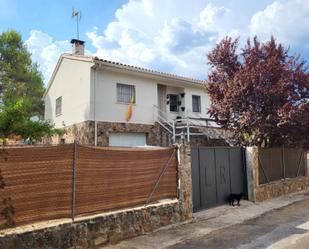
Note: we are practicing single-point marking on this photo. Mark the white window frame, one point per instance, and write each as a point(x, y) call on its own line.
point(58, 109)
point(131, 92)
point(199, 104)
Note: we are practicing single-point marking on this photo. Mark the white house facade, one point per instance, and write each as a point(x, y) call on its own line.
point(106, 103)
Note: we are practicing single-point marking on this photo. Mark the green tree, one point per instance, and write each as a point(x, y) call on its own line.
point(21, 91)
point(15, 120)
point(19, 76)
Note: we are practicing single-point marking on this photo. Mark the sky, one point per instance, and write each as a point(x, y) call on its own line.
point(172, 36)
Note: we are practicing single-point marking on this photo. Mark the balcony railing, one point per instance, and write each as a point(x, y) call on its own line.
point(192, 124)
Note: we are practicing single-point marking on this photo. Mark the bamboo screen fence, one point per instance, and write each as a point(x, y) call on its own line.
point(52, 182)
point(109, 179)
point(281, 163)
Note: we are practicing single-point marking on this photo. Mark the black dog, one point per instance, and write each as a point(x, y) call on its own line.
point(234, 197)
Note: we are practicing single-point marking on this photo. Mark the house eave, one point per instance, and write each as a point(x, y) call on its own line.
point(150, 74)
point(121, 67)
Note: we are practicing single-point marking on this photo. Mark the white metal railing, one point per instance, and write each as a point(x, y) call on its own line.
point(191, 124)
point(161, 117)
point(199, 120)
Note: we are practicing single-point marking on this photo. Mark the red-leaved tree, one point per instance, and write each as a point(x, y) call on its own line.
point(261, 93)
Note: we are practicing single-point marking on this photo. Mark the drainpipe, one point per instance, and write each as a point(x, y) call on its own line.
point(188, 131)
point(94, 108)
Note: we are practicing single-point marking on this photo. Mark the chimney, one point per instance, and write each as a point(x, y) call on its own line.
point(78, 47)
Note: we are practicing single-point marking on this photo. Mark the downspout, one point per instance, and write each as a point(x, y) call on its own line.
point(94, 108)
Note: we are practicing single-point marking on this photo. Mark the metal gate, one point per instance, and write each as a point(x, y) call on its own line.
point(216, 172)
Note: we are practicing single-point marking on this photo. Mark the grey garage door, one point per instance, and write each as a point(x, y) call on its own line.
point(216, 172)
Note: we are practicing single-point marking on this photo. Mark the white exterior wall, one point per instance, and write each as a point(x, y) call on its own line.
point(107, 109)
point(80, 86)
point(205, 101)
point(72, 82)
point(187, 101)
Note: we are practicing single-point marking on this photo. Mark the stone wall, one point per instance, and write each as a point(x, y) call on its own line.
point(261, 192)
point(84, 133)
point(97, 231)
point(156, 134)
point(184, 174)
point(279, 188)
point(102, 229)
point(105, 128)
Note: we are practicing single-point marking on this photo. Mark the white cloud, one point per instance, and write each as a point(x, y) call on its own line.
point(287, 20)
point(155, 34)
point(179, 36)
point(45, 51)
point(209, 14)
point(175, 35)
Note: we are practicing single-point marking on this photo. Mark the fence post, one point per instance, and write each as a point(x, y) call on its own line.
point(261, 167)
point(174, 131)
point(74, 180)
point(177, 148)
point(299, 162)
point(283, 161)
point(188, 131)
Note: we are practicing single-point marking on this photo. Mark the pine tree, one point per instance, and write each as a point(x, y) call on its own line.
point(19, 76)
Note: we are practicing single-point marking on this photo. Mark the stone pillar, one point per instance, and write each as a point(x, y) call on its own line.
point(185, 182)
point(307, 162)
point(252, 164)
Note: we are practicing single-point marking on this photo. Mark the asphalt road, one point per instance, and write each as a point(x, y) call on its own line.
point(287, 227)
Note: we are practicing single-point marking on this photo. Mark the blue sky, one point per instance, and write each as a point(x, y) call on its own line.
point(168, 35)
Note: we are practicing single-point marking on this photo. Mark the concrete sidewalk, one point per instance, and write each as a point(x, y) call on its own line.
point(208, 221)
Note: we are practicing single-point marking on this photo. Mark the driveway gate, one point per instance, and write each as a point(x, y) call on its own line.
point(217, 172)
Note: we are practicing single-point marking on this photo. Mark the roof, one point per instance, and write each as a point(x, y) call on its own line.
point(148, 71)
point(98, 61)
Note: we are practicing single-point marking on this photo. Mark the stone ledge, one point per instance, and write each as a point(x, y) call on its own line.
point(96, 230)
point(52, 223)
point(281, 187)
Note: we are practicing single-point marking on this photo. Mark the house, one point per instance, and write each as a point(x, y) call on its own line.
point(108, 103)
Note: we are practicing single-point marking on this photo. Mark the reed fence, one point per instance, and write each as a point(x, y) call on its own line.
point(66, 181)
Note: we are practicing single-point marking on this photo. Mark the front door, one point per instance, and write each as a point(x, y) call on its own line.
point(162, 98)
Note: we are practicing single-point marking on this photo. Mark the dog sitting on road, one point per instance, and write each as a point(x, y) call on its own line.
point(234, 197)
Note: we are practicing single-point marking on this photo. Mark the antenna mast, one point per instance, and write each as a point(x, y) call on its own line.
point(78, 16)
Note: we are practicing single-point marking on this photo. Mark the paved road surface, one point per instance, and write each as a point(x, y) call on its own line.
point(287, 227)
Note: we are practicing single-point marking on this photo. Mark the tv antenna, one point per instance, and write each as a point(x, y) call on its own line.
point(78, 16)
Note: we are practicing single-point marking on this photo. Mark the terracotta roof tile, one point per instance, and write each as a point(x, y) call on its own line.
point(150, 71)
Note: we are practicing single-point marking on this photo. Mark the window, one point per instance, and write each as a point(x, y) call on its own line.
point(59, 106)
point(173, 103)
point(125, 93)
point(196, 103)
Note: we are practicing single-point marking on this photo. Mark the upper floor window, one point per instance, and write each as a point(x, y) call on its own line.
point(173, 102)
point(125, 93)
point(196, 103)
point(59, 106)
